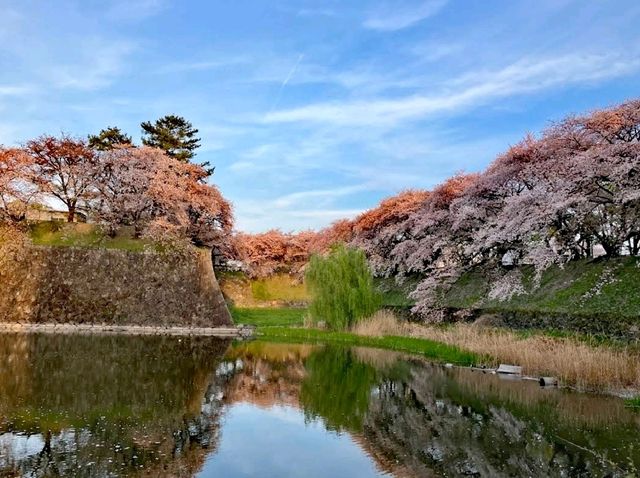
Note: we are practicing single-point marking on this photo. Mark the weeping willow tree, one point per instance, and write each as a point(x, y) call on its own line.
point(342, 289)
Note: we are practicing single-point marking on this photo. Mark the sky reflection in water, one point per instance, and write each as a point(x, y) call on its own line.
point(166, 406)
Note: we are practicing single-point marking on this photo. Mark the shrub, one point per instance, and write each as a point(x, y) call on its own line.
point(341, 287)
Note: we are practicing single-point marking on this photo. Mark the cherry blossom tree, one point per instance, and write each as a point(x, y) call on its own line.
point(265, 253)
point(18, 184)
point(376, 231)
point(340, 231)
point(145, 188)
point(65, 169)
point(544, 201)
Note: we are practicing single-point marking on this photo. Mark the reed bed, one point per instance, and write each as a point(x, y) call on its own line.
point(600, 368)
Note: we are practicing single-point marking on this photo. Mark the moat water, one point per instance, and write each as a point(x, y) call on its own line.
point(73, 405)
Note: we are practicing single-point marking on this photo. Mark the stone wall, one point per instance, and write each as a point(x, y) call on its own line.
point(617, 327)
point(108, 286)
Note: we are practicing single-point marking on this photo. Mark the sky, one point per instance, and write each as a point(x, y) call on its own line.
point(313, 111)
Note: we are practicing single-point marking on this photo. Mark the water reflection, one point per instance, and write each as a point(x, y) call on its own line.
point(107, 405)
point(153, 406)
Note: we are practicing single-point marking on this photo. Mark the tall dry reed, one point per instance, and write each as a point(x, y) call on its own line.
point(602, 368)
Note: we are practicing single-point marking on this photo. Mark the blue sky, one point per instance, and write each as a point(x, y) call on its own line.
point(312, 111)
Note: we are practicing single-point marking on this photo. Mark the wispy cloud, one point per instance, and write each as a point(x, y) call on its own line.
point(134, 9)
point(203, 64)
point(16, 90)
point(393, 17)
point(524, 76)
point(97, 63)
point(260, 216)
point(318, 195)
point(324, 214)
point(284, 83)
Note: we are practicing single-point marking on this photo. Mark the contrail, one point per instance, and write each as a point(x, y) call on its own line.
point(286, 81)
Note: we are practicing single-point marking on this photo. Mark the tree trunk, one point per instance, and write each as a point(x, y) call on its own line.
point(72, 213)
point(611, 250)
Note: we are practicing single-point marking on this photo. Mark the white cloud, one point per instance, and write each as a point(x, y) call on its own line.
point(525, 76)
point(316, 195)
point(203, 64)
point(256, 217)
point(392, 17)
point(97, 64)
point(326, 214)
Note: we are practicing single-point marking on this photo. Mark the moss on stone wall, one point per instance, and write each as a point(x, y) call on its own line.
point(84, 285)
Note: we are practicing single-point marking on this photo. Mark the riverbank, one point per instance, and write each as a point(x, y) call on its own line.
point(588, 365)
point(600, 366)
point(436, 351)
point(596, 296)
point(88, 329)
point(593, 297)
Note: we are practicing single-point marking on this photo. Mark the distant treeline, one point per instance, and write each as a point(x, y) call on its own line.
point(572, 192)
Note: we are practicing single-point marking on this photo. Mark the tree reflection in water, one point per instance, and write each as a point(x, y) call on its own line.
point(152, 406)
point(107, 405)
point(415, 418)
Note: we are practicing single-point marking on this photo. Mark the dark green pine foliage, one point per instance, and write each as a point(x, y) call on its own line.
point(173, 134)
point(109, 138)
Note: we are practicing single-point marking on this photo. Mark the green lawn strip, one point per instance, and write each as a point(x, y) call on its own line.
point(428, 348)
point(633, 403)
point(268, 317)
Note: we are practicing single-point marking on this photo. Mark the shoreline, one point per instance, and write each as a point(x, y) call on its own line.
point(231, 331)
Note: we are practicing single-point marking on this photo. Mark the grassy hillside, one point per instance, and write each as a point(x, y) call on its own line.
point(394, 294)
point(60, 234)
point(604, 288)
point(276, 291)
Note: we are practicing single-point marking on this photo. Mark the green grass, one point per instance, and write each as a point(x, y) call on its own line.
point(280, 290)
point(280, 287)
point(263, 317)
point(633, 402)
point(58, 234)
point(433, 350)
point(568, 290)
point(394, 294)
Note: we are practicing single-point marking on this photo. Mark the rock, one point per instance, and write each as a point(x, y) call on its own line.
point(509, 369)
point(548, 382)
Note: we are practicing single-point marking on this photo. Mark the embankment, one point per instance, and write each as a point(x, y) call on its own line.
point(41, 284)
point(594, 297)
point(278, 290)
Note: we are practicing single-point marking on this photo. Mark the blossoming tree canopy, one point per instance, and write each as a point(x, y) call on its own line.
point(17, 183)
point(145, 188)
point(65, 167)
point(545, 200)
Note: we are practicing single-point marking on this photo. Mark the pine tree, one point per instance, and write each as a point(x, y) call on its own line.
point(108, 138)
point(173, 134)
